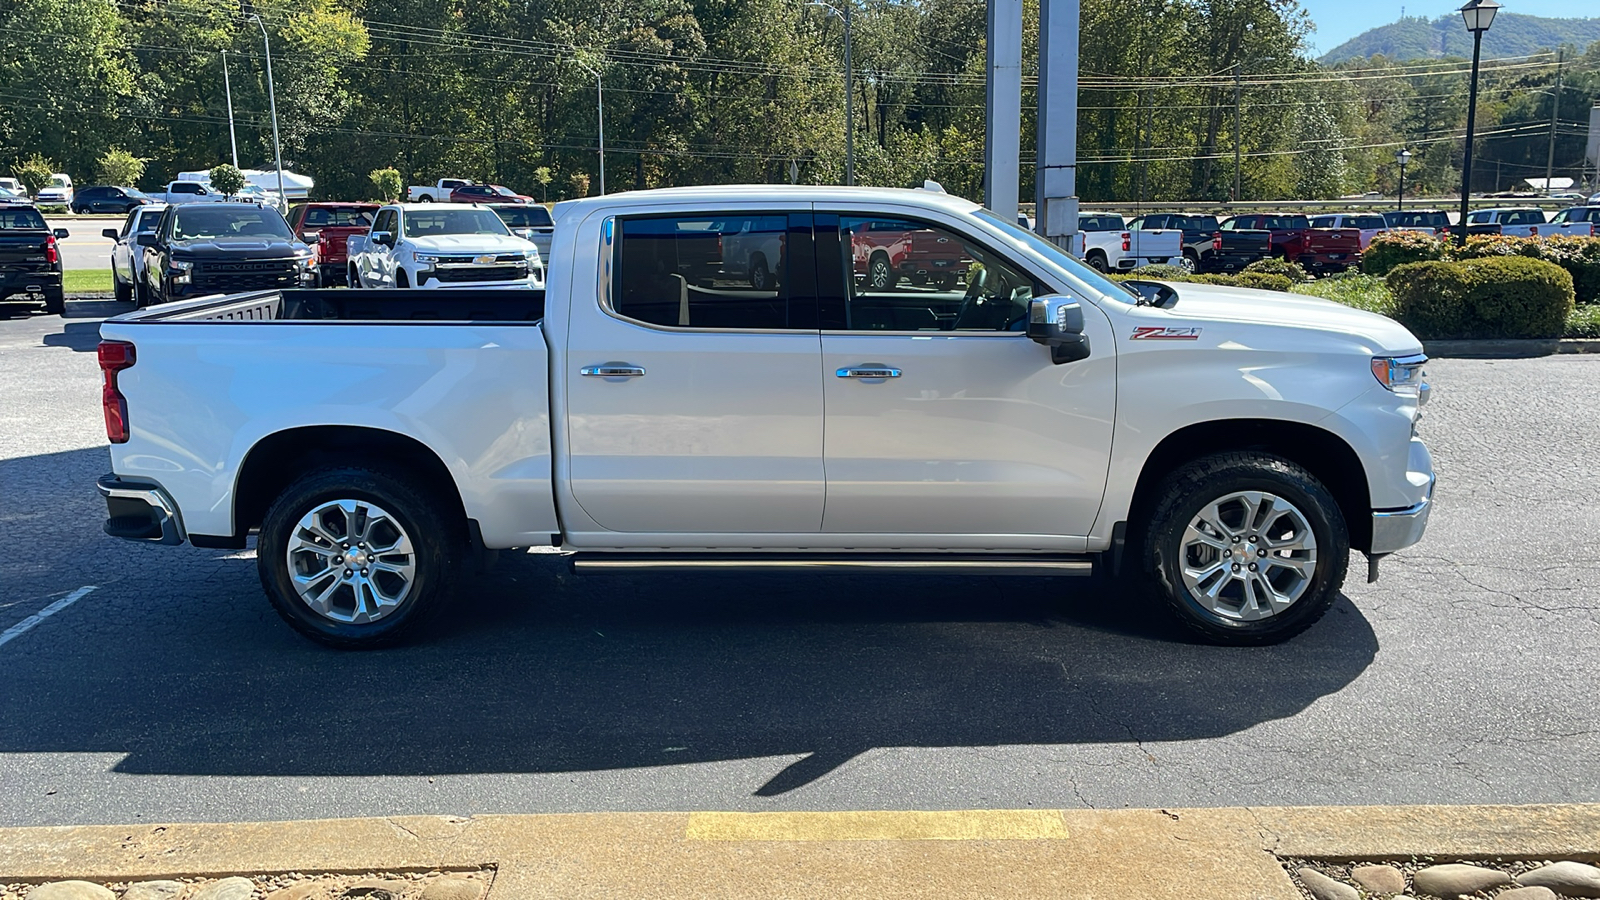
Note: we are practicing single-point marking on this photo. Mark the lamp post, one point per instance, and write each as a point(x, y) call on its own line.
point(1402, 156)
point(1479, 15)
point(849, 90)
point(272, 101)
point(600, 118)
point(227, 87)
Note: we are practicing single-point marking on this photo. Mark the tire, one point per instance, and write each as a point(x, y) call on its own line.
point(352, 279)
point(304, 532)
point(880, 275)
point(1189, 263)
point(400, 279)
point(760, 278)
point(425, 198)
point(55, 302)
point(141, 294)
point(1097, 261)
point(1221, 605)
point(123, 292)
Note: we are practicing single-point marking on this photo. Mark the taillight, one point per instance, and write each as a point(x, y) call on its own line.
point(114, 357)
point(1127, 242)
point(52, 254)
point(1216, 242)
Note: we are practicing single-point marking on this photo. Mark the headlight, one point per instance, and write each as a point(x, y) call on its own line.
point(180, 265)
point(427, 258)
point(532, 256)
point(1402, 374)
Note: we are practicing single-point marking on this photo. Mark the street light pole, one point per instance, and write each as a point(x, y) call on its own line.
point(272, 101)
point(1555, 110)
point(600, 123)
point(227, 86)
point(1402, 156)
point(1479, 15)
point(1238, 70)
point(849, 91)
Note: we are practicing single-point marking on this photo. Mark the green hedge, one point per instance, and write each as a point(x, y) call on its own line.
point(1499, 297)
point(1580, 256)
point(1277, 265)
point(1265, 281)
point(1396, 248)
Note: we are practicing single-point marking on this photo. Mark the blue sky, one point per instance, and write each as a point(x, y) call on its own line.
point(1339, 20)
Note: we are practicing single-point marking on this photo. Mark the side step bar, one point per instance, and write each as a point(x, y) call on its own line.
point(941, 563)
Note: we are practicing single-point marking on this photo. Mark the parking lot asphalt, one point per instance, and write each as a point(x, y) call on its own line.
point(170, 691)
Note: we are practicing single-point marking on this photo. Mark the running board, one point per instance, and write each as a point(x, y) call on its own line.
point(943, 563)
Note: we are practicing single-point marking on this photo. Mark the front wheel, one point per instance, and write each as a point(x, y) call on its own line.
point(121, 290)
point(1245, 548)
point(354, 557)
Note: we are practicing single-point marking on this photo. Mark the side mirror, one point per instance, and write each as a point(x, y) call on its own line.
point(62, 234)
point(386, 238)
point(111, 233)
point(1057, 322)
point(146, 239)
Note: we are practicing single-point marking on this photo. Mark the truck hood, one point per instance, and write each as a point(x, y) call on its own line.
point(470, 243)
point(1217, 303)
point(254, 248)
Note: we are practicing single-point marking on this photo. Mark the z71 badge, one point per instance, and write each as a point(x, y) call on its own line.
point(1165, 333)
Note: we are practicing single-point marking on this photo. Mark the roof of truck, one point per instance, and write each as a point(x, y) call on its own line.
point(778, 193)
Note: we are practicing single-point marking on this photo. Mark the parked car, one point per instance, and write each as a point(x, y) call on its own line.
point(210, 248)
point(890, 251)
point(1319, 251)
point(181, 192)
point(752, 249)
point(442, 245)
point(529, 221)
point(439, 190)
point(646, 425)
point(14, 186)
point(13, 196)
point(30, 256)
point(1429, 221)
point(1524, 222)
point(1590, 214)
point(1369, 225)
point(329, 226)
point(57, 193)
point(1206, 247)
point(487, 193)
point(127, 257)
point(1110, 246)
point(108, 199)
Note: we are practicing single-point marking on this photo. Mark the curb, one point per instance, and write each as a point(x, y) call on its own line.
point(1509, 348)
point(1182, 854)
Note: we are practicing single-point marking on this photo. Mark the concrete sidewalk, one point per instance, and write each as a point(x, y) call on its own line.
point(1192, 854)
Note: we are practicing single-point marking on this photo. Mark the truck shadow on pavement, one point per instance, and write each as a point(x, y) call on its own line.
point(177, 661)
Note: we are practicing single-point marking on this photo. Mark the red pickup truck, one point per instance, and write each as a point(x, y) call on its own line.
point(1318, 250)
point(328, 226)
point(885, 252)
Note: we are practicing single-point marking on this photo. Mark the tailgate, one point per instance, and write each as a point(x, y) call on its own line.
point(23, 253)
point(1157, 243)
point(1333, 240)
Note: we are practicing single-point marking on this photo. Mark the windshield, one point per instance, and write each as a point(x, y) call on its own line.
point(1060, 258)
point(21, 218)
point(525, 216)
point(422, 223)
point(208, 222)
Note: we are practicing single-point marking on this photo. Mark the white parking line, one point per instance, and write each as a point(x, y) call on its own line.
point(22, 627)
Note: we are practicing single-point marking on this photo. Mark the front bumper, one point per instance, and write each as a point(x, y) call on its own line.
point(140, 511)
point(1397, 529)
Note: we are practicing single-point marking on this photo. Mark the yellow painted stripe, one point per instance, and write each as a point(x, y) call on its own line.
point(961, 825)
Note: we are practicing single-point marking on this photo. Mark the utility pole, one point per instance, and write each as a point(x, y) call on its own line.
point(272, 101)
point(1056, 181)
point(600, 123)
point(227, 86)
point(1555, 110)
point(1238, 70)
point(1002, 138)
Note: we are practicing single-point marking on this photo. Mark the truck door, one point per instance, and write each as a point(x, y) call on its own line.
point(942, 416)
point(694, 404)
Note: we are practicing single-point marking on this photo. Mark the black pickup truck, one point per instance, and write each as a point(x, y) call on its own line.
point(223, 248)
point(30, 258)
point(1206, 247)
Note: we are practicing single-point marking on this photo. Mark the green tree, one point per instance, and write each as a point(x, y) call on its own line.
point(388, 183)
point(542, 177)
point(227, 179)
point(578, 184)
point(119, 167)
point(34, 173)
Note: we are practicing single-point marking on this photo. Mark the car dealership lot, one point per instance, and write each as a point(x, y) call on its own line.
point(170, 691)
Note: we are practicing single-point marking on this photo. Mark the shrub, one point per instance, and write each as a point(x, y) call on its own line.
point(1265, 281)
point(1508, 297)
point(1161, 272)
point(119, 167)
point(1277, 265)
point(1580, 256)
point(1584, 322)
point(1487, 246)
point(1366, 292)
point(388, 183)
point(34, 173)
point(226, 179)
point(1394, 248)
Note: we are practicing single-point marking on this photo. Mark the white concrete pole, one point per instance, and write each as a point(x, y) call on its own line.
point(1002, 145)
point(1057, 176)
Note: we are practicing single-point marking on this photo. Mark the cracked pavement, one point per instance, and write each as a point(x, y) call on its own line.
point(173, 693)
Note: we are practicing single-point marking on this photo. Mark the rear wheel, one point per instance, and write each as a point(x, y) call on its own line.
point(1098, 261)
point(880, 275)
point(760, 278)
point(121, 290)
point(356, 557)
point(1189, 263)
point(1245, 548)
point(55, 302)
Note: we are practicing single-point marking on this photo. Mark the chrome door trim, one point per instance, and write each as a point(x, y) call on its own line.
point(612, 371)
point(867, 372)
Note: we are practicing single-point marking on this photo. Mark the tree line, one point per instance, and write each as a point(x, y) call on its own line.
point(703, 91)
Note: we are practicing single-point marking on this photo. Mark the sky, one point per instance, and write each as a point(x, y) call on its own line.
point(1339, 20)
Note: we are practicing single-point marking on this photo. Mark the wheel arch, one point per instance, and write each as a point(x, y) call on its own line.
point(276, 460)
point(1327, 456)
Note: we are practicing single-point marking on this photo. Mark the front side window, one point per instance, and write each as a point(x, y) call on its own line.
point(425, 222)
point(905, 275)
point(386, 221)
point(698, 271)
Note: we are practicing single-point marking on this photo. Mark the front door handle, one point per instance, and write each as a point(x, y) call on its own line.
point(612, 371)
point(868, 372)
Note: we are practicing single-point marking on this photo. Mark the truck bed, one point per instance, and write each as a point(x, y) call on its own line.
point(343, 305)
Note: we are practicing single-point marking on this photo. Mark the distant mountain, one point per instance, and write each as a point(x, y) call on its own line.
point(1513, 34)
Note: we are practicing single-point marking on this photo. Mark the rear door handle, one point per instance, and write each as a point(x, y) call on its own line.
point(868, 372)
point(612, 371)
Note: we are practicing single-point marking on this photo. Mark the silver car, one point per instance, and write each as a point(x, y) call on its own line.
point(127, 262)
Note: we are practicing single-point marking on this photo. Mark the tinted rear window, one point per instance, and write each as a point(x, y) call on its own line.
point(524, 216)
point(1100, 223)
point(1195, 223)
point(1417, 219)
point(1365, 222)
point(21, 218)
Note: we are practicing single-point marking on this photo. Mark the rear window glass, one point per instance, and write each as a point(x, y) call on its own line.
point(1524, 217)
point(525, 216)
point(1100, 223)
point(1416, 219)
point(21, 218)
point(1194, 223)
point(339, 217)
point(1366, 222)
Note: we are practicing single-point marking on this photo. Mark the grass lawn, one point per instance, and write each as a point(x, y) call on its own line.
point(86, 281)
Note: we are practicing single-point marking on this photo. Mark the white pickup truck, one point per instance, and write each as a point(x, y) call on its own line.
point(441, 245)
point(438, 192)
point(1221, 449)
point(1109, 246)
point(1527, 222)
